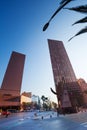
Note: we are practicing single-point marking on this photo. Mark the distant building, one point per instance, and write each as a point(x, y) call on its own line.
point(36, 101)
point(68, 90)
point(35, 98)
point(11, 85)
point(26, 97)
point(25, 100)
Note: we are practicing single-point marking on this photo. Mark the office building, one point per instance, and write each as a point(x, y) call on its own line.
point(11, 85)
point(67, 88)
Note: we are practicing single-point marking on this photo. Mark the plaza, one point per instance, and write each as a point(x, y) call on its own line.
point(28, 121)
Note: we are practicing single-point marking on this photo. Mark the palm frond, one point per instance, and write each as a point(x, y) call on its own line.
point(62, 4)
point(63, 1)
point(81, 9)
point(60, 7)
point(45, 26)
point(84, 20)
point(84, 30)
point(53, 91)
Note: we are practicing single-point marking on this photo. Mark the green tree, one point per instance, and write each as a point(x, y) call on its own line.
point(46, 103)
point(54, 105)
point(43, 98)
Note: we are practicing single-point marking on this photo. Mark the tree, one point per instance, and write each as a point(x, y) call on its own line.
point(81, 9)
point(54, 105)
point(43, 98)
point(46, 103)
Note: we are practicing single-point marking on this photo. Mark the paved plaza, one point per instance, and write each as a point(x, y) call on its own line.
point(44, 121)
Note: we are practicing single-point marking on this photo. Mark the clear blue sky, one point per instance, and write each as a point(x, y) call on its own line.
point(21, 24)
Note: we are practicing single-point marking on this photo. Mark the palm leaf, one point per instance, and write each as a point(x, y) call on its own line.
point(81, 9)
point(84, 30)
point(63, 3)
point(84, 20)
point(53, 91)
point(60, 7)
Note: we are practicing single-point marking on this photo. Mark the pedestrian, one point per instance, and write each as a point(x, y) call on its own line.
point(57, 112)
point(35, 114)
point(42, 117)
point(6, 114)
point(50, 116)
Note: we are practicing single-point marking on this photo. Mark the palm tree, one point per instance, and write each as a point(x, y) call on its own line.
point(81, 9)
point(46, 102)
point(43, 99)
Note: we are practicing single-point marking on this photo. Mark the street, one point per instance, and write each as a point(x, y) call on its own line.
point(32, 121)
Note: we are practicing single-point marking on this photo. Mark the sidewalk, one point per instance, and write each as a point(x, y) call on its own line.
point(56, 123)
point(50, 121)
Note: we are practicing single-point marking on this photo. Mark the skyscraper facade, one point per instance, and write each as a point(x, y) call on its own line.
point(60, 62)
point(64, 77)
point(11, 85)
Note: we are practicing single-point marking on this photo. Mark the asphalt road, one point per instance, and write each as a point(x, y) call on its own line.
point(50, 121)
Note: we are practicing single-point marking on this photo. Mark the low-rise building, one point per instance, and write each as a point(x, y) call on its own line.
point(25, 100)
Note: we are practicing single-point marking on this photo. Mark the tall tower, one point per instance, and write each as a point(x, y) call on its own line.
point(11, 85)
point(64, 77)
point(60, 62)
point(13, 76)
